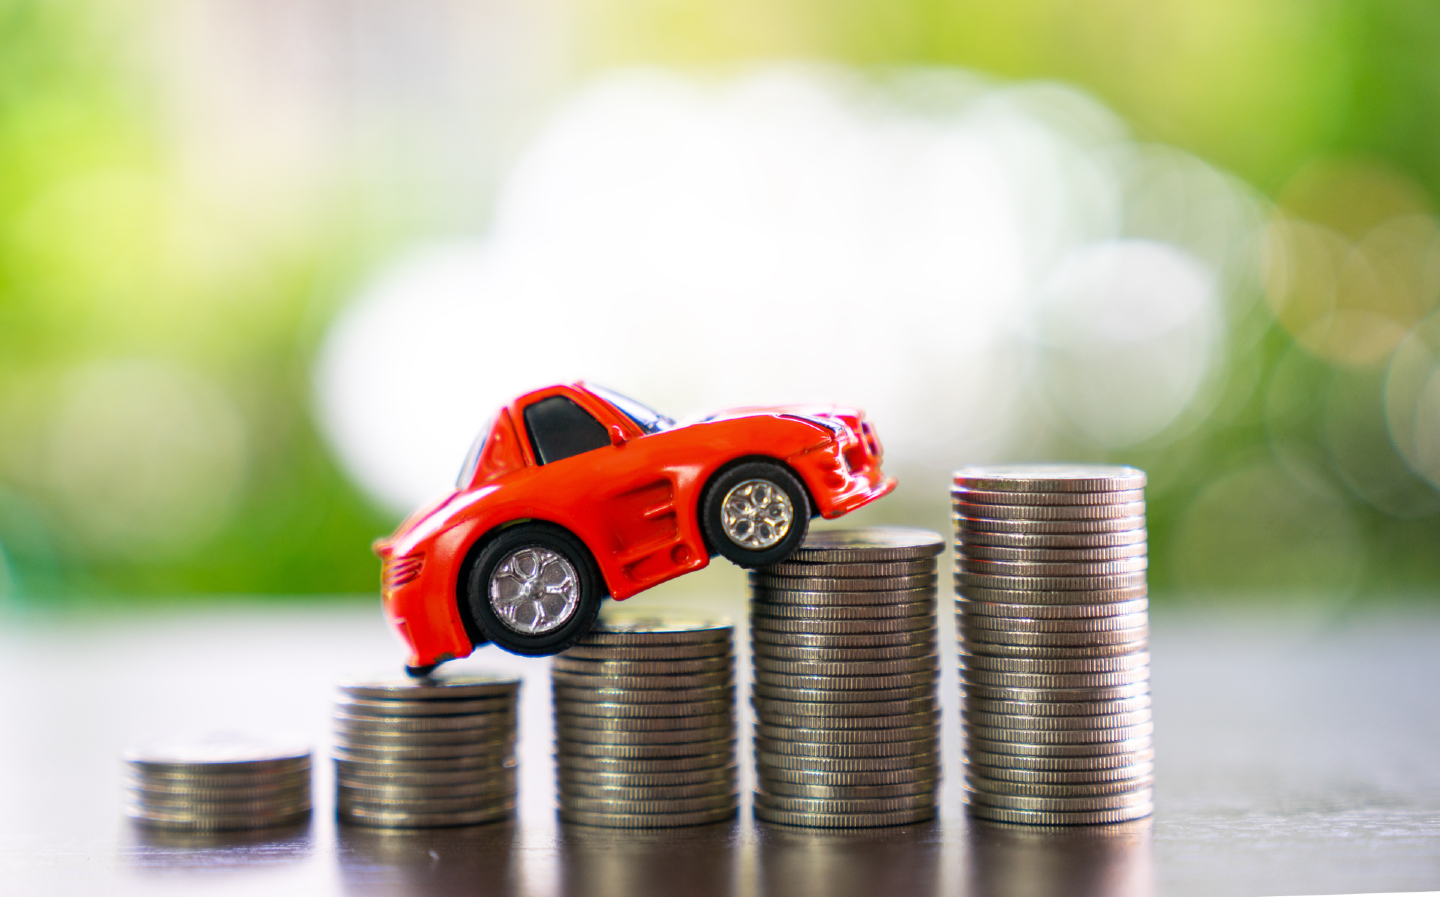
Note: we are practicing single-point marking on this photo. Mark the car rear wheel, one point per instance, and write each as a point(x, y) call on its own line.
point(755, 513)
point(534, 589)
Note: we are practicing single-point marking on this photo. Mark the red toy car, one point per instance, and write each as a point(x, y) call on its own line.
point(575, 492)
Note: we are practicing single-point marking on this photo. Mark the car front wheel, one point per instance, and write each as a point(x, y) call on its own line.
point(534, 589)
point(755, 513)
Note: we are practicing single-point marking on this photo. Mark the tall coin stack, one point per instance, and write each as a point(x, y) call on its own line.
point(422, 753)
point(218, 783)
point(843, 645)
point(645, 724)
point(1055, 674)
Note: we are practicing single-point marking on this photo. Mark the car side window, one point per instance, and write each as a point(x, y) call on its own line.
point(560, 429)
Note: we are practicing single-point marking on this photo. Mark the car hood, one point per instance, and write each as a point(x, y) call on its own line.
point(826, 416)
point(428, 521)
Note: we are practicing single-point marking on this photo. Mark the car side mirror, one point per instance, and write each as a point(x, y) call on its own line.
point(618, 436)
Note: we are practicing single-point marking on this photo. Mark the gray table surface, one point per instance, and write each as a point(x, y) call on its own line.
point(1297, 753)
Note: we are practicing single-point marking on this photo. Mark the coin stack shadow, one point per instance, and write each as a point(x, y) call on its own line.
point(1055, 675)
point(220, 784)
point(645, 724)
point(846, 714)
point(425, 753)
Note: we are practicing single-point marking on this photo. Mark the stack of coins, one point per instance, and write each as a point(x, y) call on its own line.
point(420, 753)
point(217, 783)
point(843, 645)
point(645, 724)
point(1055, 675)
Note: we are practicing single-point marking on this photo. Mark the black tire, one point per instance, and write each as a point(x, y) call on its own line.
point(542, 537)
point(713, 506)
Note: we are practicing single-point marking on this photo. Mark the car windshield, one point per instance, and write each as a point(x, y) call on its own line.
point(472, 460)
point(645, 417)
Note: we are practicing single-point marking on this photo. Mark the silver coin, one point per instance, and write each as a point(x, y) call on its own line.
point(925, 623)
point(646, 820)
point(848, 723)
point(571, 790)
point(994, 762)
point(656, 630)
point(965, 581)
point(1049, 477)
point(645, 751)
point(844, 736)
point(852, 584)
point(1050, 598)
point(577, 803)
point(649, 652)
point(1028, 722)
point(1063, 624)
point(975, 635)
point(1071, 708)
point(1051, 611)
point(774, 761)
point(1055, 695)
point(614, 713)
point(1144, 796)
point(644, 738)
point(848, 668)
point(1060, 736)
point(867, 545)
point(609, 694)
point(401, 819)
point(1061, 778)
point(856, 699)
point(1073, 789)
point(760, 637)
point(499, 787)
point(191, 822)
point(1054, 652)
point(260, 789)
point(971, 551)
point(843, 820)
point(925, 745)
point(1032, 817)
point(373, 752)
point(579, 681)
point(767, 611)
point(1043, 665)
point(468, 722)
point(347, 799)
point(645, 724)
point(966, 525)
point(715, 776)
point(1056, 541)
point(417, 772)
point(365, 707)
point(842, 571)
point(781, 707)
point(928, 776)
point(840, 655)
point(221, 752)
point(170, 780)
point(1128, 748)
point(847, 683)
point(633, 668)
point(480, 738)
point(281, 805)
point(837, 806)
point(774, 597)
point(1028, 569)
point(1040, 499)
point(973, 511)
point(434, 688)
point(1055, 680)
point(850, 792)
point(722, 755)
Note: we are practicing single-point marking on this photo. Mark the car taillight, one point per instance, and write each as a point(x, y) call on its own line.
point(402, 570)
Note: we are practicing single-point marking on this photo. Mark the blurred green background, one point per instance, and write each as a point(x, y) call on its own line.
point(189, 193)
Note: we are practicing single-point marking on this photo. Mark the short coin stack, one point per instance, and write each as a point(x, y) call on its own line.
point(1055, 675)
point(645, 724)
point(843, 642)
point(217, 783)
point(422, 753)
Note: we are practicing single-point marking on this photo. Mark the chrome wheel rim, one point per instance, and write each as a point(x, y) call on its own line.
point(534, 590)
point(756, 514)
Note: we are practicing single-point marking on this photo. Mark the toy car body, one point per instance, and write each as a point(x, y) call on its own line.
point(574, 492)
